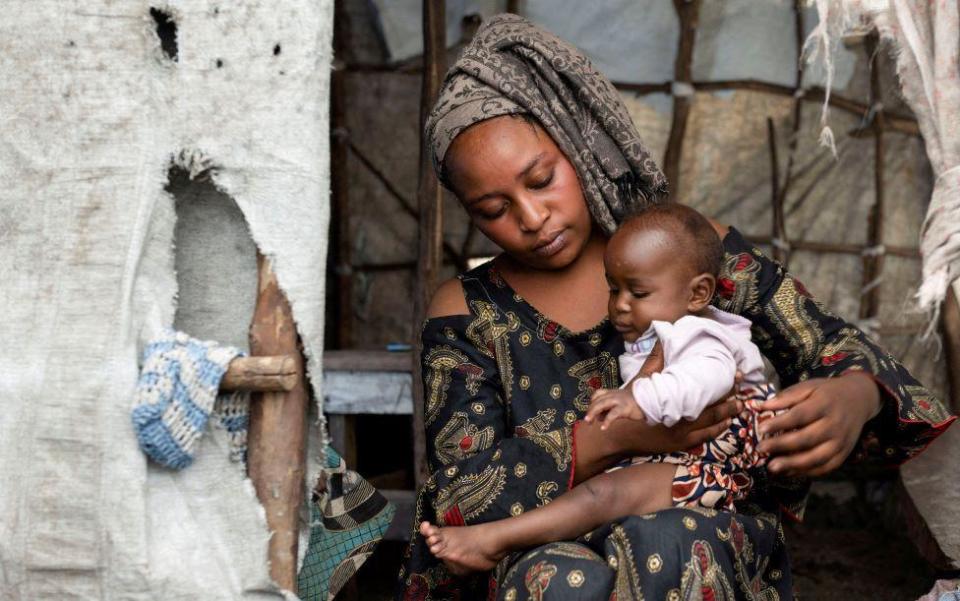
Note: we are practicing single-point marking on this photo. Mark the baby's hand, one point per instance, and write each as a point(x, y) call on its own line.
point(608, 405)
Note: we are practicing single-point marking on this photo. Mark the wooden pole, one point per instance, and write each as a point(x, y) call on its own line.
point(261, 374)
point(340, 241)
point(950, 317)
point(873, 263)
point(430, 212)
point(688, 12)
point(779, 237)
point(278, 429)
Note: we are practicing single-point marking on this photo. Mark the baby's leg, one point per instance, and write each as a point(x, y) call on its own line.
point(635, 490)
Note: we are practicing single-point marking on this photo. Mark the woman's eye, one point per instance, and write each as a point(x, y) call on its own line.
point(494, 212)
point(543, 182)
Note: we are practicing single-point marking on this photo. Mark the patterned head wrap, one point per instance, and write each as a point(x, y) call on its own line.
point(514, 67)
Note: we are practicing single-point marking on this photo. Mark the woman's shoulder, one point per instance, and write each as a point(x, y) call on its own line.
point(448, 300)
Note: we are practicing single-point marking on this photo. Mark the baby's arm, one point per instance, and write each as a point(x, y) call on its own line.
point(701, 370)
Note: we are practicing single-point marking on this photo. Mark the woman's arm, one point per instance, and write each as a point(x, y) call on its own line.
point(876, 410)
point(482, 468)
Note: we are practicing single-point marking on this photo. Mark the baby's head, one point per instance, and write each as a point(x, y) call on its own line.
point(661, 264)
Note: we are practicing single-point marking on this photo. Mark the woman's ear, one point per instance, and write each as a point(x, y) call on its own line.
point(701, 292)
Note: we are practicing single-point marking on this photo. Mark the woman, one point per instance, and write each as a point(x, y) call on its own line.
point(541, 152)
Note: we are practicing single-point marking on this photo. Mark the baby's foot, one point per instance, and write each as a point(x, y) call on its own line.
point(464, 549)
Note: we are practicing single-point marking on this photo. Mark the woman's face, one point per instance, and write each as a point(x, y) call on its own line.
point(520, 191)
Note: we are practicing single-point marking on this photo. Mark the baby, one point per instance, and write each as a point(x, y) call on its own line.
point(662, 267)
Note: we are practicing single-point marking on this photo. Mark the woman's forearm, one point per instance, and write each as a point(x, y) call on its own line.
point(596, 449)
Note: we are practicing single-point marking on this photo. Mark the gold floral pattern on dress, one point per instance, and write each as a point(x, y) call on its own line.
point(591, 375)
point(569, 417)
point(526, 338)
point(545, 491)
point(537, 579)
point(575, 578)
point(557, 442)
point(703, 578)
point(654, 563)
point(441, 361)
point(490, 337)
point(520, 470)
point(516, 509)
point(556, 391)
point(558, 348)
point(478, 408)
point(459, 439)
point(627, 583)
point(524, 382)
point(926, 407)
point(788, 312)
point(689, 523)
point(548, 330)
point(737, 284)
point(469, 495)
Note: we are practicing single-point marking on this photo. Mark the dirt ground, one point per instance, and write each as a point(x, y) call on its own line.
point(844, 550)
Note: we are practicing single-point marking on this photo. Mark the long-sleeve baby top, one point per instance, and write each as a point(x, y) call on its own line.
point(701, 355)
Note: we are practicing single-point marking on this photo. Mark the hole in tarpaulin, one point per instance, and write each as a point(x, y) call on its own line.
point(167, 32)
point(276, 50)
point(215, 260)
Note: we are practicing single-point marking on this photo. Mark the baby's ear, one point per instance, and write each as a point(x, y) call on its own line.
point(701, 292)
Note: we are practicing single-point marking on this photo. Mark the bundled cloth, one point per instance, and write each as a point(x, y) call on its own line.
point(513, 67)
point(178, 392)
point(347, 519)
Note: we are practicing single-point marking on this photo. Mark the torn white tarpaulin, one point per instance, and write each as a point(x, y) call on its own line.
point(925, 37)
point(93, 112)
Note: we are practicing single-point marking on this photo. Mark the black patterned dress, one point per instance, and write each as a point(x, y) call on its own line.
point(505, 388)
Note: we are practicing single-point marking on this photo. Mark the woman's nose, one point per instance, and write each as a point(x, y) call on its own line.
point(533, 214)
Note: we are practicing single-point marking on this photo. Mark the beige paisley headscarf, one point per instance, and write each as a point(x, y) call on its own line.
point(511, 67)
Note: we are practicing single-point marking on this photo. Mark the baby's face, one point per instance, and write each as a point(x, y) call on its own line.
point(648, 281)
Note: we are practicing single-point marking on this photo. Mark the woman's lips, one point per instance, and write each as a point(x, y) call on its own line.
point(552, 246)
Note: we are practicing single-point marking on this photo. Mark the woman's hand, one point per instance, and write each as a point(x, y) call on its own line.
point(822, 421)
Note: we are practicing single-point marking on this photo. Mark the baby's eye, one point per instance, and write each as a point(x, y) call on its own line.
point(637, 294)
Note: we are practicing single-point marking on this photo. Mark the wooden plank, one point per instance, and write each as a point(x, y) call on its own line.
point(278, 428)
point(353, 360)
point(430, 212)
point(261, 374)
point(365, 392)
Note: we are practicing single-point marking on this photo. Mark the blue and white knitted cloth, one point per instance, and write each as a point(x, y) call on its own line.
point(177, 393)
